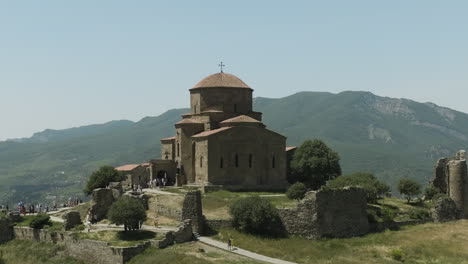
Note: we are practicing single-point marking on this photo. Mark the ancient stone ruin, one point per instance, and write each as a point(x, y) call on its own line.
point(451, 178)
point(72, 219)
point(328, 213)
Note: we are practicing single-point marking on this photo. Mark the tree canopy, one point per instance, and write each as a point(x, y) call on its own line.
point(296, 191)
point(314, 163)
point(128, 212)
point(409, 188)
point(101, 178)
point(255, 215)
point(373, 187)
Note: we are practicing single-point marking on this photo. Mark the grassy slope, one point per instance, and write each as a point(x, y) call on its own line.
point(28, 252)
point(189, 253)
point(429, 243)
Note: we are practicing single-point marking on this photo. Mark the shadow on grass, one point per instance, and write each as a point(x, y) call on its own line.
point(135, 235)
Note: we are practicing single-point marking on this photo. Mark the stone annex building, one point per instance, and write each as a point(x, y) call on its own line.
point(221, 142)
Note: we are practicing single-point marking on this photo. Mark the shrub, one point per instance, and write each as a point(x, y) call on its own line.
point(39, 221)
point(376, 214)
point(430, 191)
point(314, 163)
point(297, 191)
point(409, 188)
point(373, 187)
point(419, 214)
point(101, 178)
point(127, 211)
point(255, 215)
point(397, 254)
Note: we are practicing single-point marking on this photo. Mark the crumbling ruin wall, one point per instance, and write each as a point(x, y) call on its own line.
point(192, 209)
point(440, 175)
point(6, 230)
point(328, 213)
point(103, 198)
point(457, 185)
point(451, 178)
point(90, 251)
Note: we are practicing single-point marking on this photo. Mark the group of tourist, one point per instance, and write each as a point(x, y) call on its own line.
point(33, 209)
point(73, 201)
point(158, 182)
point(137, 188)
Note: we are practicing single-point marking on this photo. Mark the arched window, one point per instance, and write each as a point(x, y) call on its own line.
point(221, 163)
point(201, 162)
point(250, 160)
point(273, 161)
point(236, 161)
point(178, 150)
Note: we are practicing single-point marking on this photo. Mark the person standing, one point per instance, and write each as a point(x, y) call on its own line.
point(229, 244)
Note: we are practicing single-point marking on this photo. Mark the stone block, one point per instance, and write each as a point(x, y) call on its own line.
point(72, 219)
point(444, 210)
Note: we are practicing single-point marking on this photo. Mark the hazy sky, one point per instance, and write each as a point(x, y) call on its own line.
point(72, 63)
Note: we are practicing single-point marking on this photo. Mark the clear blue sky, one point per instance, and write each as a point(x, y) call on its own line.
point(72, 63)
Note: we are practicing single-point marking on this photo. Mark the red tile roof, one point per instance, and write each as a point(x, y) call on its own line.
point(290, 148)
point(128, 167)
point(188, 121)
point(241, 119)
point(167, 139)
point(210, 132)
point(221, 80)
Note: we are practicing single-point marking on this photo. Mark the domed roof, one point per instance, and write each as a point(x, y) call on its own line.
point(221, 79)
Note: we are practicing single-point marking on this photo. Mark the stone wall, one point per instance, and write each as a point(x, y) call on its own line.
point(331, 213)
point(451, 177)
point(6, 230)
point(192, 209)
point(90, 251)
point(102, 200)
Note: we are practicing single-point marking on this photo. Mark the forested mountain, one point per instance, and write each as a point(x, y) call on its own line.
point(391, 137)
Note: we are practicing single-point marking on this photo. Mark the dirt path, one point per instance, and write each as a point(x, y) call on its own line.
point(242, 252)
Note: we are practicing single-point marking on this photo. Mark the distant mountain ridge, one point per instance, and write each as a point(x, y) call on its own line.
point(391, 137)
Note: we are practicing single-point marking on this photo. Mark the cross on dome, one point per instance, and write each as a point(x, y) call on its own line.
point(221, 65)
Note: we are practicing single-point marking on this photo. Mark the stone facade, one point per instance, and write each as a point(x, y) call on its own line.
point(222, 141)
point(135, 174)
point(451, 177)
point(331, 213)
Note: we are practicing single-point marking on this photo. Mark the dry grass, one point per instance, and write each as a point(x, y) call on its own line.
point(190, 253)
point(28, 252)
point(429, 243)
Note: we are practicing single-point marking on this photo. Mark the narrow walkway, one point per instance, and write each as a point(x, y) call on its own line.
point(242, 252)
point(148, 190)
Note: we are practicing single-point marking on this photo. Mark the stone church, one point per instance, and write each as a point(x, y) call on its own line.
point(222, 141)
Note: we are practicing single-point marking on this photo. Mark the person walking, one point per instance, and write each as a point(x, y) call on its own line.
point(229, 244)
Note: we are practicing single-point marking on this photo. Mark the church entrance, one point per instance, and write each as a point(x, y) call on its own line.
point(164, 179)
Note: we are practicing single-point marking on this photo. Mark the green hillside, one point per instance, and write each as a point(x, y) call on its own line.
point(391, 137)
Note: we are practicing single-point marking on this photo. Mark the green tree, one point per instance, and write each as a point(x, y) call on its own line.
point(314, 163)
point(101, 178)
point(430, 191)
point(409, 188)
point(128, 212)
point(373, 187)
point(39, 221)
point(296, 191)
point(255, 215)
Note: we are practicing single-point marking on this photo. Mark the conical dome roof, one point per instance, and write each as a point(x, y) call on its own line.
point(221, 79)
